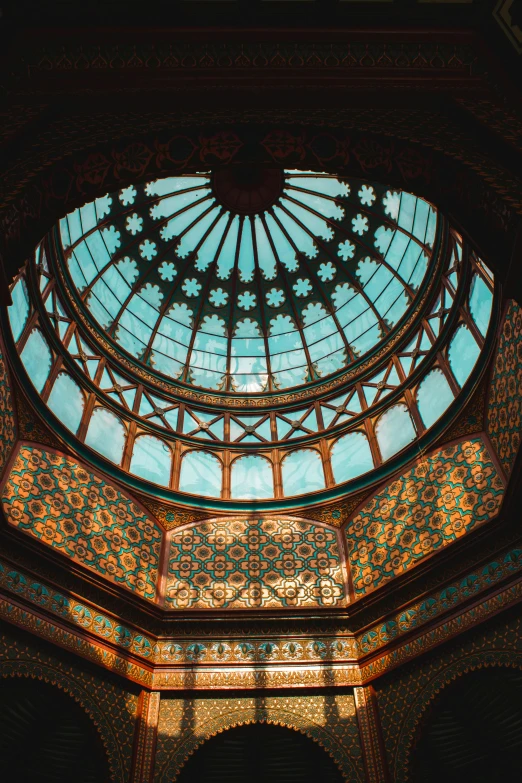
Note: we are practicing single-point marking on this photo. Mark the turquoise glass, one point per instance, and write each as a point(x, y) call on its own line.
point(302, 472)
point(67, 401)
point(247, 303)
point(394, 430)
point(19, 309)
point(201, 474)
point(151, 460)
point(434, 396)
point(351, 456)
point(463, 353)
point(37, 359)
point(480, 303)
point(106, 434)
point(251, 478)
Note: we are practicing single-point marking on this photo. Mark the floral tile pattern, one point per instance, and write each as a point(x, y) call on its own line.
point(7, 419)
point(443, 497)
point(54, 499)
point(254, 564)
point(505, 403)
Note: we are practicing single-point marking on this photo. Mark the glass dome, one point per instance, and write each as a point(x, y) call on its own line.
point(249, 280)
point(251, 334)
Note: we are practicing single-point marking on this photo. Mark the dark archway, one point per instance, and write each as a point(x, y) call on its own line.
point(46, 737)
point(260, 752)
point(472, 730)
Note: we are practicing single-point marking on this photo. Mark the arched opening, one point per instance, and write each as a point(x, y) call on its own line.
point(472, 730)
point(259, 753)
point(46, 737)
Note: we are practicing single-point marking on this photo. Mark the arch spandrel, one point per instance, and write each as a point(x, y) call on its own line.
point(330, 721)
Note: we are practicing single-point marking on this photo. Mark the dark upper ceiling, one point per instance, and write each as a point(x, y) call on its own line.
point(248, 13)
point(498, 21)
point(255, 12)
point(441, 73)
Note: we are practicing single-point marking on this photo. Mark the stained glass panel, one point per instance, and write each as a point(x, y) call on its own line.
point(67, 401)
point(36, 357)
point(251, 478)
point(249, 281)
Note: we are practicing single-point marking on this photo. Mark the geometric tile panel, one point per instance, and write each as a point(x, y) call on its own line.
point(52, 498)
point(443, 497)
point(505, 400)
point(254, 564)
point(7, 420)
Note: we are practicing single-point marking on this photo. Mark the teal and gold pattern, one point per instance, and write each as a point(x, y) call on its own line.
point(328, 719)
point(505, 403)
point(254, 564)
point(418, 614)
point(207, 664)
point(7, 419)
point(274, 649)
point(54, 499)
point(443, 497)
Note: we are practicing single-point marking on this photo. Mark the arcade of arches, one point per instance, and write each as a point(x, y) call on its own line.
point(261, 392)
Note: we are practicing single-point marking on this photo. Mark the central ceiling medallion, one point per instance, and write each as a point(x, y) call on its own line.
point(246, 189)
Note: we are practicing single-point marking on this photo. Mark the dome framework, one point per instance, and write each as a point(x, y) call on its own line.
point(124, 287)
point(166, 643)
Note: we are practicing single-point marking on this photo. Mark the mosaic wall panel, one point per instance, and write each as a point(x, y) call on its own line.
point(417, 614)
point(505, 402)
point(55, 500)
point(443, 497)
point(330, 720)
point(258, 648)
point(403, 695)
point(7, 419)
point(254, 564)
point(112, 709)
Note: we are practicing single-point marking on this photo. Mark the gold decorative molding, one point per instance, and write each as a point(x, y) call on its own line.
point(331, 721)
point(471, 418)
point(338, 512)
point(512, 30)
point(171, 516)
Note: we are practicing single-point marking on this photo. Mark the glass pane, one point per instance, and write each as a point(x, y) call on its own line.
point(351, 456)
point(37, 359)
point(252, 478)
point(66, 401)
point(19, 310)
point(480, 303)
point(151, 460)
point(434, 396)
point(129, 267)
point(302, 472)
point(201, 474)
point(394, 431)
point(106, 434)
point(463, 354)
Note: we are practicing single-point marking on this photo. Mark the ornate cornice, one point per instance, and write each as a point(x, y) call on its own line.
point(396, 55)
point(268, 659)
